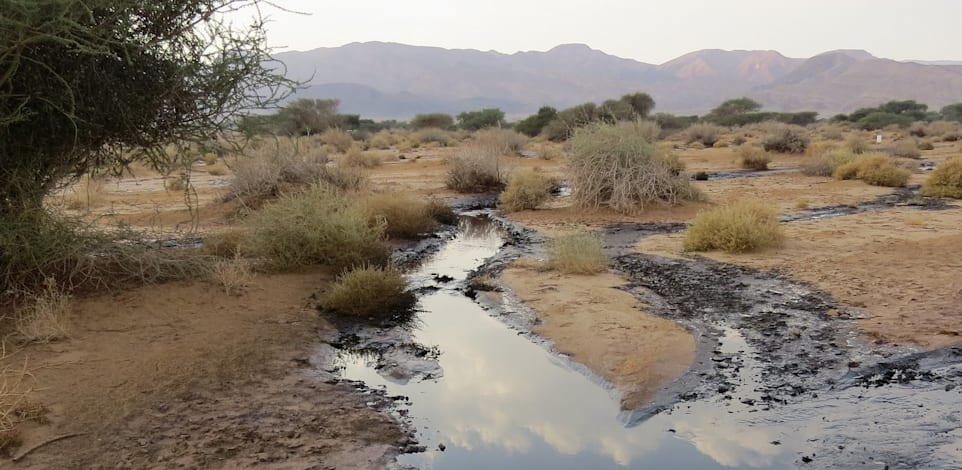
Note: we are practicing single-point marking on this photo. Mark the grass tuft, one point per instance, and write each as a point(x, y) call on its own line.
point(874, 169)
point(46, 318)
point(735, 228)
point(753, 158)
point(527, 190)
point(401, 215)
point(369, 292)
point(317, 226)
point(578, 253)
point(945, 180)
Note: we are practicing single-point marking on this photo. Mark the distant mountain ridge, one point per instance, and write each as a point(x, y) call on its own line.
point(390, 80)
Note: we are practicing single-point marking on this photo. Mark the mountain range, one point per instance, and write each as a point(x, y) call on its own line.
point(389, 80)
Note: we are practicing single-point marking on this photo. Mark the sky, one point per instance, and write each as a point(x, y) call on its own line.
point(652, 31)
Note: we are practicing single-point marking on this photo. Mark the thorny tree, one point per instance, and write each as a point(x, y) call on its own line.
point(94, 84)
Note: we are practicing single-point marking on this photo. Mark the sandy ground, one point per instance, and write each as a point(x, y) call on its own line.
point(606, 329)
point(900, 266)
point(183, 375)
point(186, 375)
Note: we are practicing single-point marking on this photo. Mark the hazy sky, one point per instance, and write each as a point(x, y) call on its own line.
point(651, 31)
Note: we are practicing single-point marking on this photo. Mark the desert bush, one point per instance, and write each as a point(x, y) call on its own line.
point(383, 140)
point(340, 140)
point(549, 152)
point(832, 133)
point(705, 134)
point(441, 212)
point(945, 180)
point(504, 141)
point(216, 170)
point(917, 129)
point(857, 145)
point(85, 193)
point(357, 158)
point(277, 165)
point(476, 168)
point(43, 244)
point(819, 148)
point(432, 134)
point(827, 163)
point(369, 292)
point(225, 244)
point(786, 139)
point(739, 140)
point(176, 183)
point(578, 253)
point(950, 137)
point(209, 158)
point(938, 128)
point(232, 274)
point(46, 316)
point(735, 228)
point(402, 215)
point(874, 169)
point(316, 226)
point(617, 166)
point(907, 149)
point(527, 190)
point(753, 158)
point(926, 145)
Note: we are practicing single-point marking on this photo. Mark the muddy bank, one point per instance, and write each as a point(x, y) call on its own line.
point(593, 322)
point(182, 374)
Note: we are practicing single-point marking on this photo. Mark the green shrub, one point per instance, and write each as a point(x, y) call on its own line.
point(317, 226)
point(617, 166)
point(907, 149)
point(402, 215)
point(706, 134)
point(340, 140)
point(476, 168)
point(527, 190)
point(735, 228)
point(578, 253)
point(945, 180)
point(369, 292)
point(786, 139)
point(874, 169)
point(753, 158)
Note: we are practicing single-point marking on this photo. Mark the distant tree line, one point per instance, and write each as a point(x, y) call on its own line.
point(313, 116)
point(900, 113)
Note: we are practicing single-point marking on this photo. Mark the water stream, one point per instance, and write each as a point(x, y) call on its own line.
point(496, 399)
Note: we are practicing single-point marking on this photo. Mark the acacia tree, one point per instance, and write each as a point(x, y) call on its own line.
point(94, 84)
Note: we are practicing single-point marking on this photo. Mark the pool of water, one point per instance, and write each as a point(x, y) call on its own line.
point(498, 400)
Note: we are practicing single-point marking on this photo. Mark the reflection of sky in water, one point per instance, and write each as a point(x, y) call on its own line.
point(504, 402)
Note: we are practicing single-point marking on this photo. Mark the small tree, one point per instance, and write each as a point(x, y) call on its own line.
point(94, 84)
point(439, 120)
point(532, 125)
point(475, 120)
point(306, 116)
point(952, 112)
point(641, 103)
point(733, 107)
